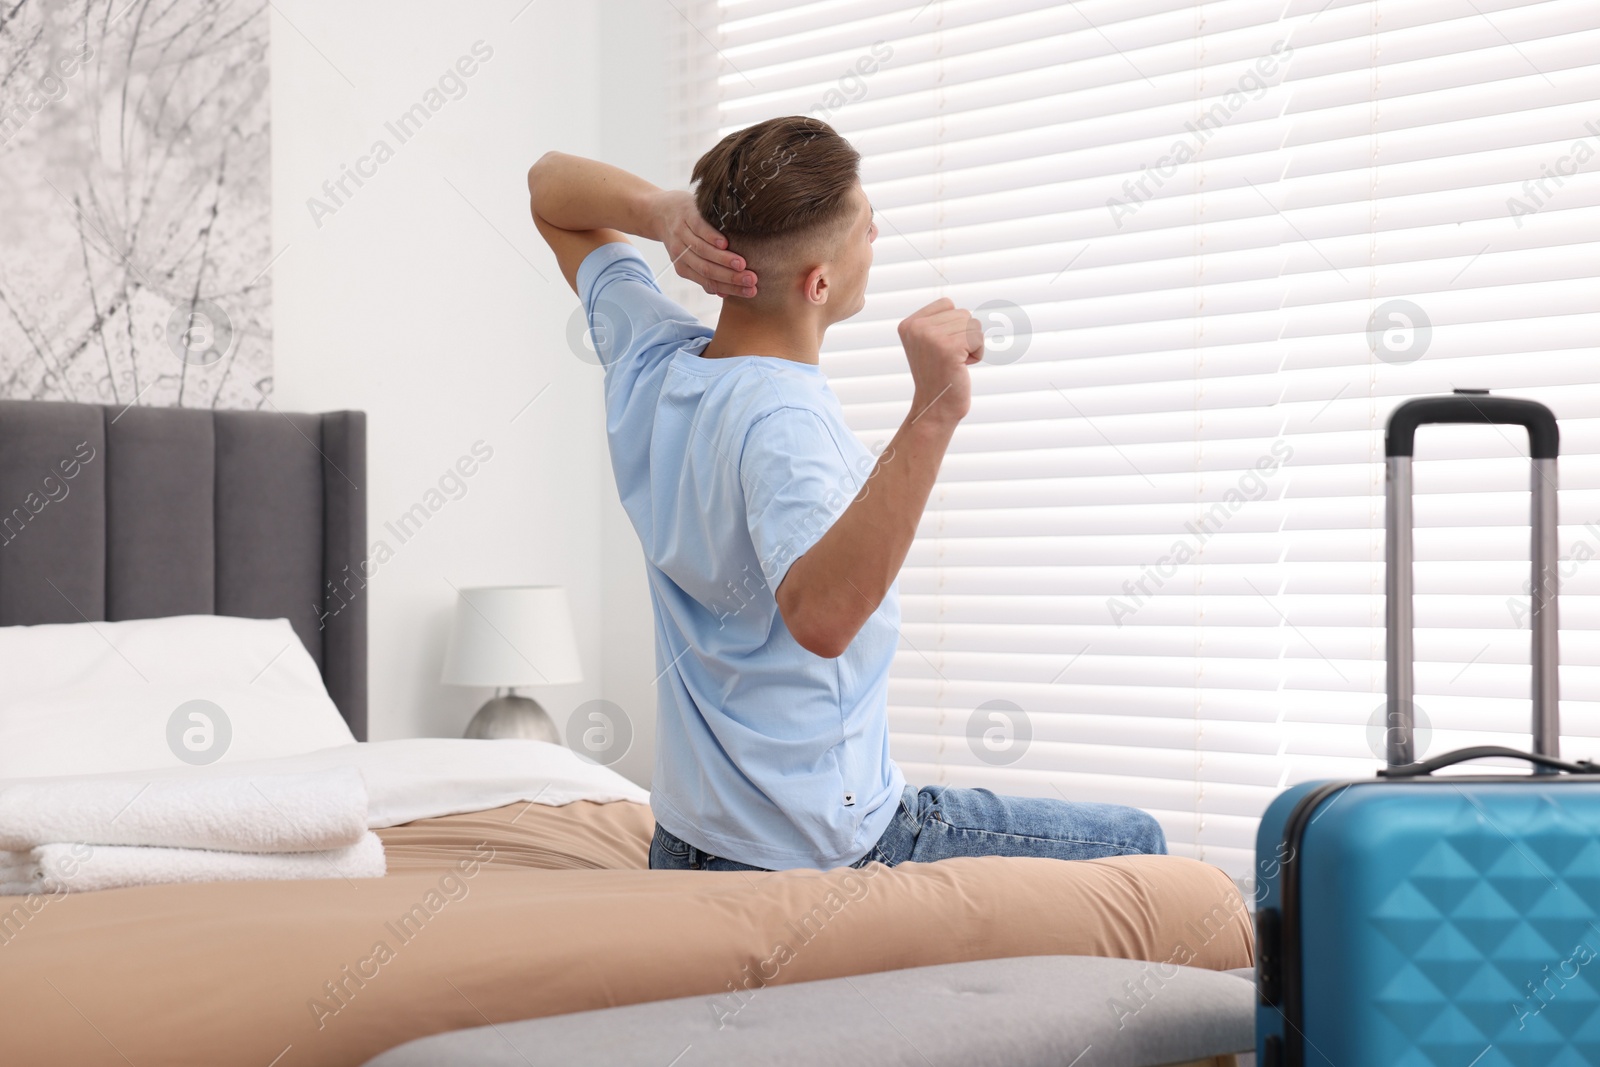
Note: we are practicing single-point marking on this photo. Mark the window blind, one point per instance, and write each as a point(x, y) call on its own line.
point(1213, 246)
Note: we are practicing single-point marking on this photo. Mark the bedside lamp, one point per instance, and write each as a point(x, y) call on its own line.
point(509, 636)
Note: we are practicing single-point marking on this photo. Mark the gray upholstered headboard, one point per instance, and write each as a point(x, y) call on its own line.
point(110, 513)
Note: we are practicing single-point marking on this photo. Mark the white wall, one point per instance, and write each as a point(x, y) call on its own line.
point(635, 126)
point(423, 304)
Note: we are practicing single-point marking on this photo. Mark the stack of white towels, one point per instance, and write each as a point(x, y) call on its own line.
point(74, 835)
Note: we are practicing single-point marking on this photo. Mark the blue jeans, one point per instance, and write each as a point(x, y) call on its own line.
point(938, 822)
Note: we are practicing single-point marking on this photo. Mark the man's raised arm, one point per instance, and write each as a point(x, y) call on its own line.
point(830, 592)
point(580, 204)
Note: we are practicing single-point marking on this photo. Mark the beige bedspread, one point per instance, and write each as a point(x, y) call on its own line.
point(511, 914)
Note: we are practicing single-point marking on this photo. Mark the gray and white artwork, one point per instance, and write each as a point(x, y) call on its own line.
point(135, 206)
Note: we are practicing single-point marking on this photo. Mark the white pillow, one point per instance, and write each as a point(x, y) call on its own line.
point(98, 697)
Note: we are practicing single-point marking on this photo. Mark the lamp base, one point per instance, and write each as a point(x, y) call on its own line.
point(513, 717)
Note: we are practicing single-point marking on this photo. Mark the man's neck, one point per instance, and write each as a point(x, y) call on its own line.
point(743, 332)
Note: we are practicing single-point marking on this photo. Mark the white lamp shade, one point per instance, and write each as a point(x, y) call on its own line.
point(510, 636)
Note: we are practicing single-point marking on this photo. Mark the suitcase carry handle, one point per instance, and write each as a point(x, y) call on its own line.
point(1461, 755)
point(1544, 439)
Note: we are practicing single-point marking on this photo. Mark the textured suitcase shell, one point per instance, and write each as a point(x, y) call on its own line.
point(1440, 922)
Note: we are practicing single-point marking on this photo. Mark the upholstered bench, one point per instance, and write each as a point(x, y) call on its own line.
point(1031, 1011)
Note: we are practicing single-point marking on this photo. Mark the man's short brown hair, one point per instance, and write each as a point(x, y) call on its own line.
point(773, 187)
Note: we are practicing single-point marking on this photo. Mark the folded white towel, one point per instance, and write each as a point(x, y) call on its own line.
point(16, 867)
point(304, 812)
point(78, 868)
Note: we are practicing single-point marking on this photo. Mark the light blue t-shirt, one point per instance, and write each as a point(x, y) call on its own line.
point(730, 470)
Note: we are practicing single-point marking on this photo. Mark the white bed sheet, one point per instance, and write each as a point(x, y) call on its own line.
point(427, 777)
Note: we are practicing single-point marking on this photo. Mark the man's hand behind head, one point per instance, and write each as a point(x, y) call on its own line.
point(699, 253)
point(941, 342)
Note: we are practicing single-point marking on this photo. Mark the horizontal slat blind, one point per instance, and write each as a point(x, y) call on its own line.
point(1236, 235)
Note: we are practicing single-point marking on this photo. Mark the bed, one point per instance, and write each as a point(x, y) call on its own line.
point(517, 911)
point(180, 511)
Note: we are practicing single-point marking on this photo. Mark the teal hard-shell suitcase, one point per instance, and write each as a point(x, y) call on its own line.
point(1415, 920)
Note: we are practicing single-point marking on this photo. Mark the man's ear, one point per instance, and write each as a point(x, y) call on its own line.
point(816, 286)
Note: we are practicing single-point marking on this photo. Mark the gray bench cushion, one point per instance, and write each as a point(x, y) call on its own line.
point(1032, 1011)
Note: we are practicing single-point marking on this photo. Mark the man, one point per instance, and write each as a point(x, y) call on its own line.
point(772, 537)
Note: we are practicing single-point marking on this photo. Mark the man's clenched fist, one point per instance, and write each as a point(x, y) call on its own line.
point(941, 341)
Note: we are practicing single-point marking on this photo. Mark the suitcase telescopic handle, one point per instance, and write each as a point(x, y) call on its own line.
point(1544, 439)
point(1473, 406)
